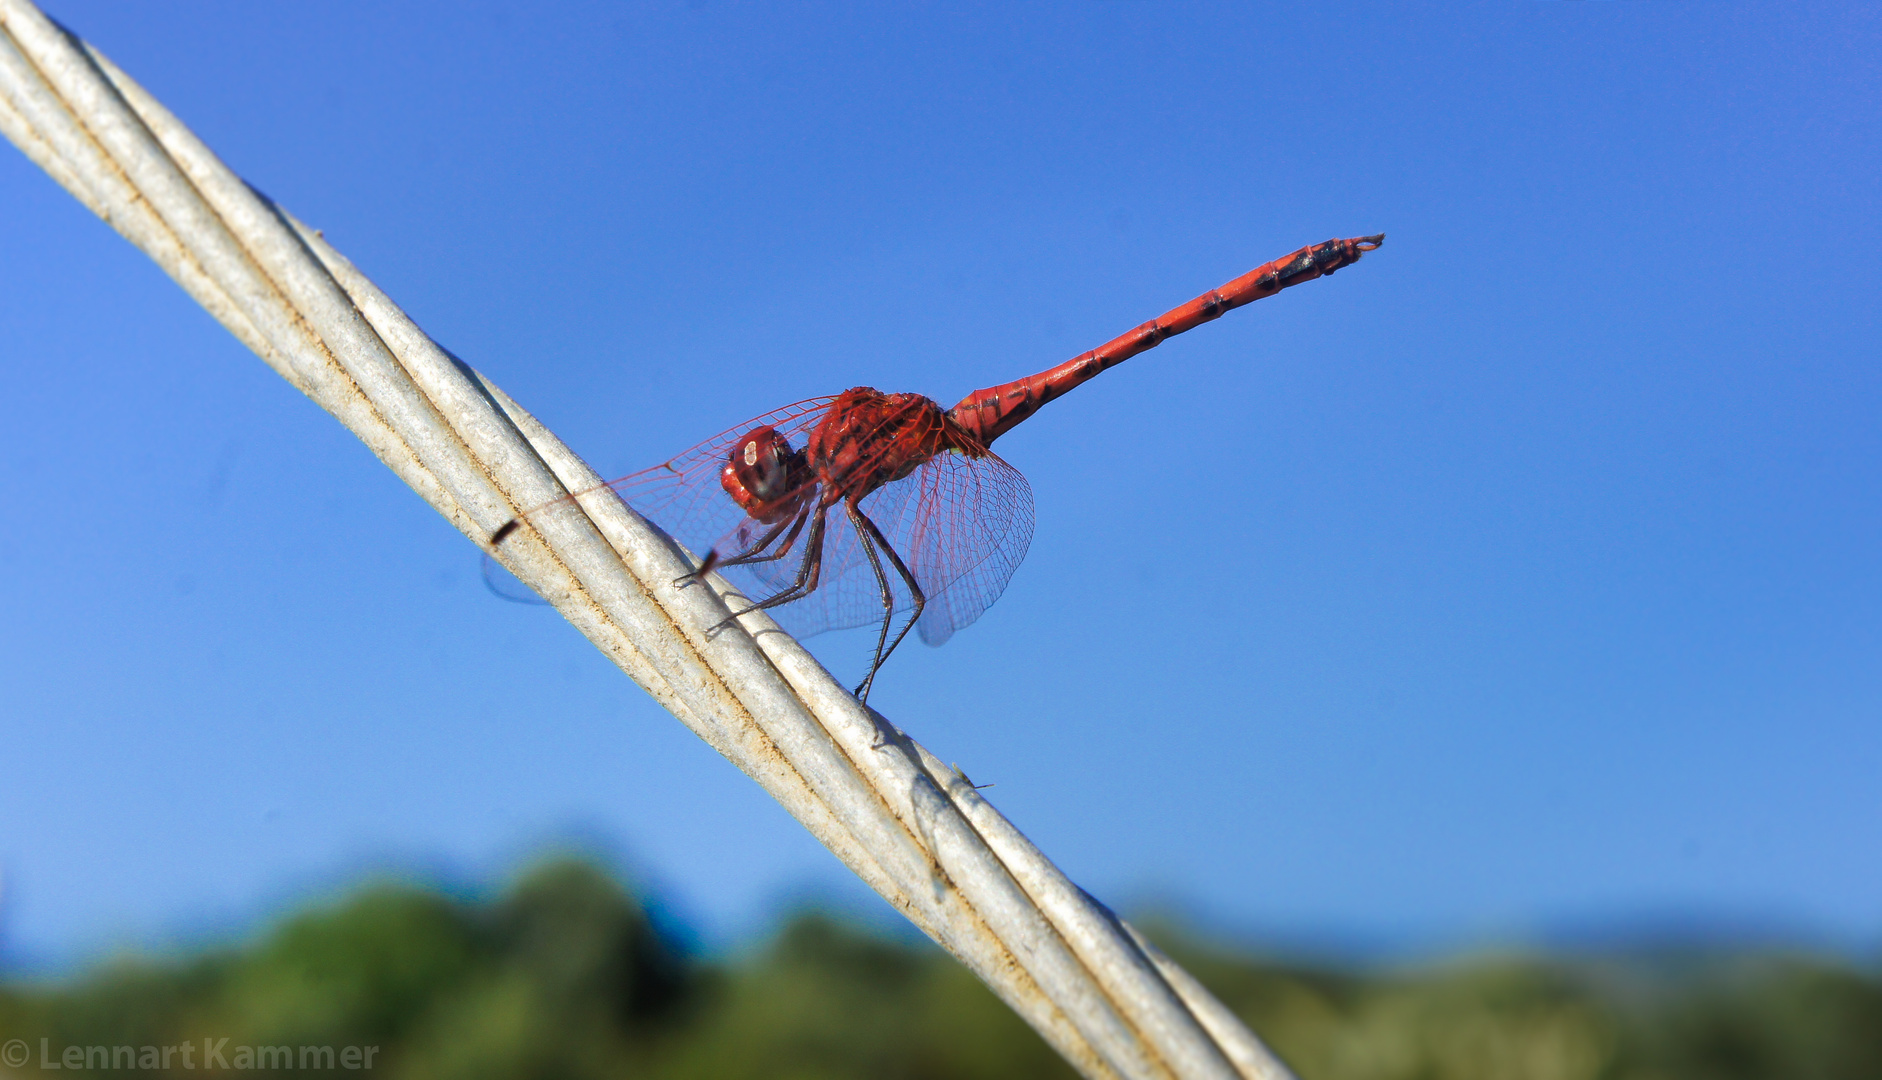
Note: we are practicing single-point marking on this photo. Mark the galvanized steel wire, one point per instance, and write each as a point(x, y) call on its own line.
point(911, 827)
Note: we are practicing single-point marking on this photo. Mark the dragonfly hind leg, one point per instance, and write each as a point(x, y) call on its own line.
point(872, 539)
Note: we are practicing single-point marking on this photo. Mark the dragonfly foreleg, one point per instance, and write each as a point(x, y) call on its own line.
point(808, 571)
point(712, 561)
point(750, 555)
point(872, 539)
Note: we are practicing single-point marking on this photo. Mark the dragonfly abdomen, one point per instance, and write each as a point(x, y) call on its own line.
point(985, 415)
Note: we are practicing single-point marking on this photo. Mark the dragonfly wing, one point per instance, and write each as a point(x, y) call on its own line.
point(848, 593)
point(964, 526)
point(683, 496)
point(960, 524)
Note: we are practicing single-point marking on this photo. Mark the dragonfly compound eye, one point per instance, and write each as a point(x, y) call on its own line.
point(761, 470)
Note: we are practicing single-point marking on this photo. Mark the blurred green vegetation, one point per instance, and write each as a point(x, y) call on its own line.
point(565, 976)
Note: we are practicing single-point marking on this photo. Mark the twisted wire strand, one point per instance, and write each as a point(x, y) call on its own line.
point(912, 828)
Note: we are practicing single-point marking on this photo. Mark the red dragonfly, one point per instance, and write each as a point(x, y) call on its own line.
point(843, 511)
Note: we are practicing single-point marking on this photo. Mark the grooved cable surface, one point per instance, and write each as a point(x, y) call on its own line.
point(910, 827)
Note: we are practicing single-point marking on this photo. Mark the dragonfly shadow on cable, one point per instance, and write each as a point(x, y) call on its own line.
point(507, 586)
point(504, 584)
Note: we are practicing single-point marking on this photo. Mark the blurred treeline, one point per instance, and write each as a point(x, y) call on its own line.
point(565, 976)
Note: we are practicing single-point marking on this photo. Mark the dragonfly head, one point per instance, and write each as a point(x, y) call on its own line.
point(764, 475)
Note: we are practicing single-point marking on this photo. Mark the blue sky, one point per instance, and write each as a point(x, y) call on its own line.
point(1523, 577)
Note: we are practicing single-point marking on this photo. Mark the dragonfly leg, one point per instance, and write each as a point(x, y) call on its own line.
point(808, 572)
point(872, 539)
point(888, 599)
point(712, 561)
point(750, 554)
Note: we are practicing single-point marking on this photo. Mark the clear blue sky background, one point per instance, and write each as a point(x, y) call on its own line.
point(1524, 579)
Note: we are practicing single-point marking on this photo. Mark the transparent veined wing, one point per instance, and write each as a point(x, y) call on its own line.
point(961, 525)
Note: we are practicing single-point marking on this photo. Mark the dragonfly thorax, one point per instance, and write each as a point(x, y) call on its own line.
point(869, 439)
